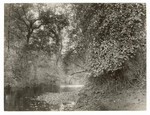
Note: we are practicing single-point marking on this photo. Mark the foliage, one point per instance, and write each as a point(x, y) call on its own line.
point(113, 33)
point(46, 44)
point(116, 53)
point(65, 100)
point(29, 30)
point(39, 27)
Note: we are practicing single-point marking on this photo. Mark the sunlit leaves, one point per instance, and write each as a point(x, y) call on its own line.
point(114, 32)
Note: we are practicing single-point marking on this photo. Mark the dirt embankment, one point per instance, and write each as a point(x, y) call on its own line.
point(125, 100)
point(123, 89)
point(101, 98)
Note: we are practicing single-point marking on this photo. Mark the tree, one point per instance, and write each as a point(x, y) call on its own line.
point(112, 34)
point(113, 38)
point(33, 28)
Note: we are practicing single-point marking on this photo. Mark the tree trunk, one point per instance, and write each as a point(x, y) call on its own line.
point(8, 28)
point(28, 38)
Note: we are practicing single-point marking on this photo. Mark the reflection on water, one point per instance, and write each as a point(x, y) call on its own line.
point(27, 104)
point(25, 99)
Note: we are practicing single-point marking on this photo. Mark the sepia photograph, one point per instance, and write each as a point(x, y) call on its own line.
point(75, 57)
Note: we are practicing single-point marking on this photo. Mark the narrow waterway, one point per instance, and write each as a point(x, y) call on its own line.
point(25, 100)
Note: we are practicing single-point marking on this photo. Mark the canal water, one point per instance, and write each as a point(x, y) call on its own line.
point(25, 100)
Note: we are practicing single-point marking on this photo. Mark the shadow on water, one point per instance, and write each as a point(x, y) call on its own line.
point(23, 99)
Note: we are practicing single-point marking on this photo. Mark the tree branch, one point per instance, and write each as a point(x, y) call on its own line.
point(36, 20)
point(37, 27)
point(21, 19)
point(79, 72)
point(25, 13)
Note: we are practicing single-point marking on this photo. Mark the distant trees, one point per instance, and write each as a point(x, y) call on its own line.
point(39, 26)
point(30, 29)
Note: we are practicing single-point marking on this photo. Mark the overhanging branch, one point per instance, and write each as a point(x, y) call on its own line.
point(79, 72)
